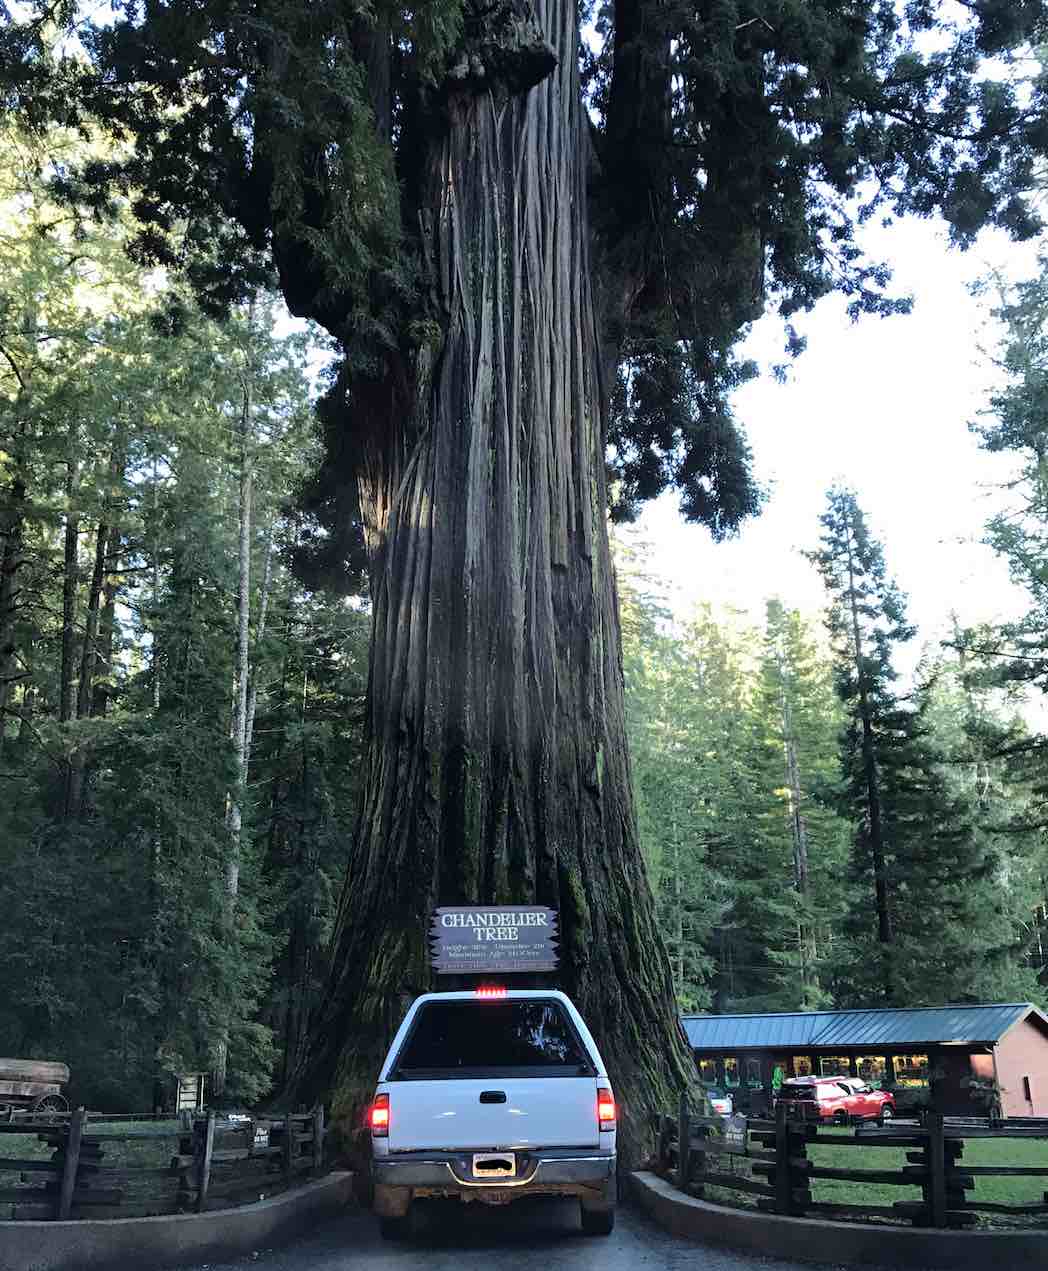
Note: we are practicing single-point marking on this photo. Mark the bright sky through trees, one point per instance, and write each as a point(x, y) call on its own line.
point(882, 405)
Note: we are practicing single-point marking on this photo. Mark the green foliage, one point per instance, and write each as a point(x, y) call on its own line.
point(1014, 657)
point(743, 142)
point(717, 815)
point(120, 455)
point(939, 861)
point(739, 144)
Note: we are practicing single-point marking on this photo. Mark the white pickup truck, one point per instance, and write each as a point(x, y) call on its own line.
point(490, 1096)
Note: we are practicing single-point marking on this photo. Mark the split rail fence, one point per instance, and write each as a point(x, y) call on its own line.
point(711, 1150)
point(122, 1167)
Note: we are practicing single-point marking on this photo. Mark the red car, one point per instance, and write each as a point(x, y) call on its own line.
point(838, 1100)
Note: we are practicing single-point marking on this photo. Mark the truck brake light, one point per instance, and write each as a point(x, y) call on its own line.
point(605, 1110)
point(379, 1116)
point(490, 991)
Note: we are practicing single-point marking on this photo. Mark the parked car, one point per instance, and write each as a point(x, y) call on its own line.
point(492, 1096)
point(839, 1100)
point(720, 1101)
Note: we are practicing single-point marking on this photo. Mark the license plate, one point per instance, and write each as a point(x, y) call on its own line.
point(494, 1195)
point(494, 1165)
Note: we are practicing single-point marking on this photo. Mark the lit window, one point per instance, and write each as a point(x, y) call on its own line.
point(802, 1066)
point(753, 1074)
point(834, 1066)
point(911, 1070)
point(731, 1072)
point(708, 1071)
point(872, 1069)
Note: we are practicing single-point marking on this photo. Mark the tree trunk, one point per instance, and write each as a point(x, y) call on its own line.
point(496, 767)
point(260, 635)
point(71, 540)
point(873, 793)
point(12, 561)
point(88, 656)
point(237, 796)
point(104, 683)
point(67, 694)
point(236, 801)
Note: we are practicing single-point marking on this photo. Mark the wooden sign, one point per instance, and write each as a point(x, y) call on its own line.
point(493, 939)
point(46, 1070)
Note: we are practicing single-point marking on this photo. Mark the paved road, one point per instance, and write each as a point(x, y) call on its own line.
point(539, 1237)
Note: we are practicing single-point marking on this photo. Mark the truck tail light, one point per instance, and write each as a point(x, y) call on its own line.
point(489, 992)
point(379, 1116)
point(605, 1110)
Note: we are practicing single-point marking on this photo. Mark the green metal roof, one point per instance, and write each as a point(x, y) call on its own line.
point(923, 1025)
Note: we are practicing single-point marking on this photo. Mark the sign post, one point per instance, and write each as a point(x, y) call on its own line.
point(493, 939)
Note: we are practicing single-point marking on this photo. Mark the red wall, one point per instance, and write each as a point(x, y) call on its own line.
point(1023, 1052)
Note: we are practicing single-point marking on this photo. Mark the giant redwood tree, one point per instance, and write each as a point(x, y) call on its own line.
point(533, 254)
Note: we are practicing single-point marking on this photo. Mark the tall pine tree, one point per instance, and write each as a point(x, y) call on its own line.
point(866, 620)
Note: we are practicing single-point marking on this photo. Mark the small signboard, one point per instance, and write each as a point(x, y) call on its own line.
point(493, 939)
point(261, 1139)
point(735, 1130)
point(189, 1092)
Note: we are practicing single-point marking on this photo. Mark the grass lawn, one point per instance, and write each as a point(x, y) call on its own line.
point(120, 1161)
point(997, 1152)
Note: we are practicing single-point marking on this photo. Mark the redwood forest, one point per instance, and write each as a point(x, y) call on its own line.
point(344, 346)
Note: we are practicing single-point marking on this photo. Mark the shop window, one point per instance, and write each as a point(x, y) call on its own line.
point(802, 1066)
point(911, 1070)
point(708, 1071)
point(872, 1069)
point(753, 1074)
point(834, 1066)
point(731, 1073)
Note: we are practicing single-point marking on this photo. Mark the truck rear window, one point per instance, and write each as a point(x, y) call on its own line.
point(461, 1038)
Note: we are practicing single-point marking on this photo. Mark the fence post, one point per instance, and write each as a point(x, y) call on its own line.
point(318, 1138)
point(71, 1162)
point(204, 1179)
point(782, 1161)
point(936, 1169)
point(289, 1145)
point(683, 1142)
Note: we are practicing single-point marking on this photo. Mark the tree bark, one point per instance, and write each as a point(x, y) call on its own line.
point(71, 538)
point(260, 635)
point(103, 683)
point(237, 796)
point(12, 561)
point(496, 764)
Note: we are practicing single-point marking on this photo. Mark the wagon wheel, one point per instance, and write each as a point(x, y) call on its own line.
point(50, 1106)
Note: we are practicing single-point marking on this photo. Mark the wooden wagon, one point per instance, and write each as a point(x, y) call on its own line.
point(32, 1085)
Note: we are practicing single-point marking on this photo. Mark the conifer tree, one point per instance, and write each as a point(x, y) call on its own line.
point(123, 948)
point(1015, 655)
point(668, 735)
point(961, 879)
point(866, 619)
point(797, 721)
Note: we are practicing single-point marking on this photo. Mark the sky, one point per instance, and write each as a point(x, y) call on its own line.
point(882, 405)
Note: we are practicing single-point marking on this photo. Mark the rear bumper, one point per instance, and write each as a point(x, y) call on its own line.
point(584, 1172)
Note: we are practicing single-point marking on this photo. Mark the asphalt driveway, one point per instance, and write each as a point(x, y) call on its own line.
point(539, 1236)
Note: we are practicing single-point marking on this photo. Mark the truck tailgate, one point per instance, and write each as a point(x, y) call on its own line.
point(536, 1112)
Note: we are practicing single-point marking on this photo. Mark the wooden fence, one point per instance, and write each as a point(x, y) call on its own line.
point(103, 1166)
point(711, 1150)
